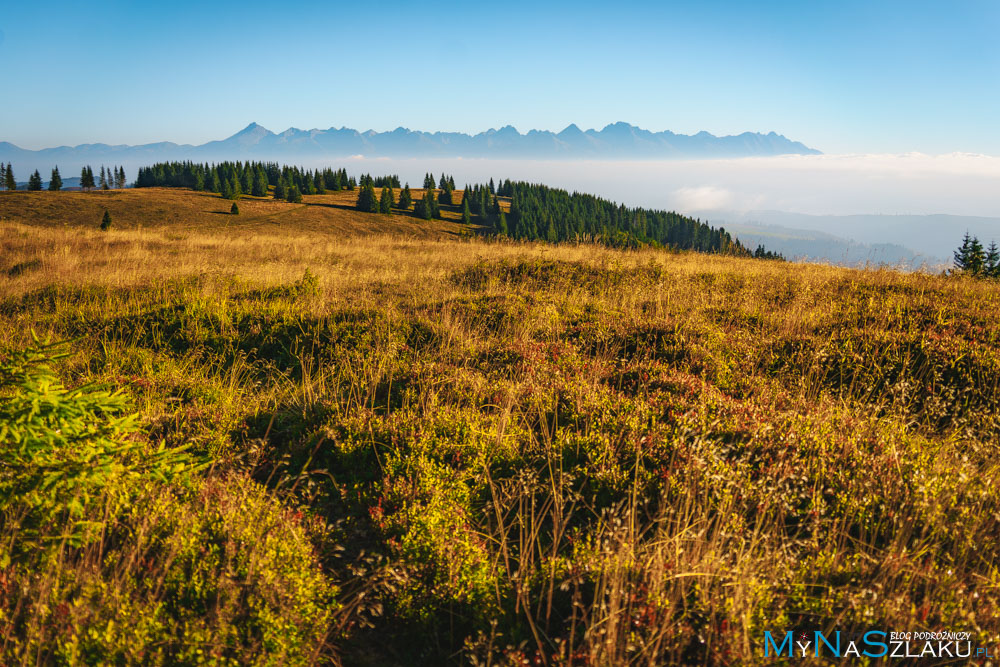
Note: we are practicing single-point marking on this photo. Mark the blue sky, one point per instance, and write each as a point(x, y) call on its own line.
point(847, 76)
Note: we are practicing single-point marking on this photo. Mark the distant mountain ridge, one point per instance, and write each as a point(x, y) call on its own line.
point(614, 141)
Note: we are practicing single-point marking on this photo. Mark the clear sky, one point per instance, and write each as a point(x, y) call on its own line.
point(858, 76)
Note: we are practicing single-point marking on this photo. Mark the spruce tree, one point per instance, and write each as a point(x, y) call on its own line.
point(423, 207)
point(970, 257)
point(466, 215)
point(55, 181)
point(294, 195)
point(991, 266)
point(444, 197)
point(259, 184)
point(279, 189)
point(502, 224)
point(405, 198)
point(3, 176)
point(35, 182)
point(106, 221)
point(385, 201)
point(367, 201)
point(234, 209)
point(428, 181)
point(104, 179)
point(86, 178)
point(8, 178)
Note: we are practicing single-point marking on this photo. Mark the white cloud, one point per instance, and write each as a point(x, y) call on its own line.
point(911, 183)
point(703, 198)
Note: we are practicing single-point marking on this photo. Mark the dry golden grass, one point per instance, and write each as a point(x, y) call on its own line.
point(183, 210)
point(619, 457)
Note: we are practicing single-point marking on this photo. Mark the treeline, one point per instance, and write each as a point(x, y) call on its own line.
point(535, 212)
point(233, 179)
point(972, 259)
point(111, 178)
point(538, 212)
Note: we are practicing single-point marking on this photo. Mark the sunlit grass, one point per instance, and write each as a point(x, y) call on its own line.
point(500, 452)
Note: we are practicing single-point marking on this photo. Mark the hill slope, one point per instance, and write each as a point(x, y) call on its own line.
point(186, 210)
point(439, 452)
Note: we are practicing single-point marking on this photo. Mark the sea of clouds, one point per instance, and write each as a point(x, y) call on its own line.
point(910, 183)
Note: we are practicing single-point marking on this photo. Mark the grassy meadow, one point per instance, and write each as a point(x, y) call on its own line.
point(370, 440)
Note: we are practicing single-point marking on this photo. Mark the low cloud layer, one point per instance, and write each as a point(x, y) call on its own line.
point(913, 183)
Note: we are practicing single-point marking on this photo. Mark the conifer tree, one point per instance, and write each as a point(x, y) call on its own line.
point(444, 197)
point(405, 198)
point(104, 179)
point(320, 183)
point(992, 263)
point(385, 201)
point(259, 188)
point(466, 214)
point(35, 182)
point(279, 189)
point(367, 200)
point(8, 178)
point(423, 207)
point(428, 181)
point(106, 221)
point(970, 257)
point(55, 181)
point(87, 178)
point(502, 224)
point(3, 176)
point(427, 207)
point(294, 195)
point(234, 209)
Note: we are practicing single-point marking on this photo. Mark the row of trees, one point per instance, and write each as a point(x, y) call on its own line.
point(427, 208)
point(7, 181)
point(110, 178)
point(971, 258)
point(391, 181)
point(538, 212)
point(234, 179)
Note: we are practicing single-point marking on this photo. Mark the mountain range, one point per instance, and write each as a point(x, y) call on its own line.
point(614, 141)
